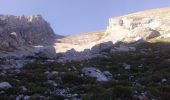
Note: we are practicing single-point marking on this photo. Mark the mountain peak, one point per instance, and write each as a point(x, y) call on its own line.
point(29, 30)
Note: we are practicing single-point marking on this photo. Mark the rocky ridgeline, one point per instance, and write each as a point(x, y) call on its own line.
point(16, 31)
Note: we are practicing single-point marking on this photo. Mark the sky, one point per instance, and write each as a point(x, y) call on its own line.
point(68, 17)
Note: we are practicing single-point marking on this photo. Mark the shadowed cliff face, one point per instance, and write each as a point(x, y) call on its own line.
point(18, 31)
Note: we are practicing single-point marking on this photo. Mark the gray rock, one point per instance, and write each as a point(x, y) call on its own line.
point(98, 48)
point(164, 80)
point(2, 92)
point(46, 52)
point(52, 82)
point(95, 73)
point(122, 48)
point(5, 85)
point(126, 66)
point(152, 34)
point(140, 66)
point(26, 97)
point(19, 97)
point(108, 74)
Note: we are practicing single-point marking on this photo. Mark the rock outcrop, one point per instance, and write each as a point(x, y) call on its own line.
point(147, 25)
point(16, 31)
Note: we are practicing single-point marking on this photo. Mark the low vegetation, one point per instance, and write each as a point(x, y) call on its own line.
point(148, 77)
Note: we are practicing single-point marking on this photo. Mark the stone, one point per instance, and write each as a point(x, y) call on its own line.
point(24, 89)
point(27, 97)
point(102, 46)
point(126, 66)
point(95, 73)
point(164, 80)
point(2, 92)
point(46, 52)
point(5, 85)
point(140, 66)
point(152, 34)
point(63, 92)
point(19, 97)
point(52, 82)
point(108, 74)
point(122, 48)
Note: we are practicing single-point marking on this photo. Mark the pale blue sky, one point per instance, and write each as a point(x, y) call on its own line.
point(77, 16)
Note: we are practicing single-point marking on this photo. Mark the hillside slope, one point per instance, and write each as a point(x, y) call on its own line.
point(129, 28)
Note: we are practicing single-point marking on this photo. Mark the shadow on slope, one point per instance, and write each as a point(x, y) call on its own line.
point(147, 77)
point(119, 47)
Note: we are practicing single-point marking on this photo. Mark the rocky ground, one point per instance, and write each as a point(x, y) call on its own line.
point(135, 74)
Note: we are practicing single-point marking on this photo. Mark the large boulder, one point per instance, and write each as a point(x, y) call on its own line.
point(48, 52)
point(100, 47)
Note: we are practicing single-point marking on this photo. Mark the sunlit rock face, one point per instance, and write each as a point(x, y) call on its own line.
point(18, 31)
point(147, 24)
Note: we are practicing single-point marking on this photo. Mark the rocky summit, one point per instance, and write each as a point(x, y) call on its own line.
point(129, 60)
point(18, 31)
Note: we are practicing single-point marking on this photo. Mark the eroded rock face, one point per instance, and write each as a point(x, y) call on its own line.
point(145, 33)
point(147, 25)
point(18, 31)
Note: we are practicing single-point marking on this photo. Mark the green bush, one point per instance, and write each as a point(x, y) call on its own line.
point(99, 96)
point(154, 91)
point(56, 97)
point(5, 97)
point(122, 92)
point(76, 79)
